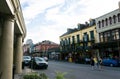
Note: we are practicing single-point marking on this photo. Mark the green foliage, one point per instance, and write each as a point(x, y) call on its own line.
point(35, 76)
point(31, 76)
point(60, 75)
point(43, 76)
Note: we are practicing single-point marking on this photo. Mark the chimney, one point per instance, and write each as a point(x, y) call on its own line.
point(119, 5)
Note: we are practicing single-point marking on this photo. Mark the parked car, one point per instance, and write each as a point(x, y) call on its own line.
point(87, 60)
point(26, 60)
point(46, 58)
point(110, 62)
point(38, 62)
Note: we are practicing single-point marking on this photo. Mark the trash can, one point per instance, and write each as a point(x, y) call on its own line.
point(14, 67)
point(70, 59)
point(23, 64)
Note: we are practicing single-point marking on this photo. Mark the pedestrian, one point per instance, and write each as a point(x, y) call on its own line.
point(95, 62)
point(92, 63)
point(66, 58)
point(100, 63)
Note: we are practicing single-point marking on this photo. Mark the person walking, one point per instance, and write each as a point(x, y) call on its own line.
point(95, 62)
point(92, 63)
point(100, 63)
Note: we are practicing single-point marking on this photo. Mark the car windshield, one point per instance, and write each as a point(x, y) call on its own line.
point(26, 57)
point(39, 59)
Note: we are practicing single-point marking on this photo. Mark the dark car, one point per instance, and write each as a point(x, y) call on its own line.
point(110, 62)
point(38, 62)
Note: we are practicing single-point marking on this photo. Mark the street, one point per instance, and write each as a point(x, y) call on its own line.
point(79, 71)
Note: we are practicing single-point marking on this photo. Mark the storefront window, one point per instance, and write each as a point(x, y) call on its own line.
point(113, 35)
point(101, 37)
point(108, 36)
point(117, 34)
point(105, 37)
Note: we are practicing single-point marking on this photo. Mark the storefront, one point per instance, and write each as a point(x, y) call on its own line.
point(108, 49)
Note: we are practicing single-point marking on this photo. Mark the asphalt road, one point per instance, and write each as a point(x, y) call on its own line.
point(79, 71)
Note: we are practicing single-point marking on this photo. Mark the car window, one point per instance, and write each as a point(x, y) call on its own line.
point(26, 57)
point(38, 59)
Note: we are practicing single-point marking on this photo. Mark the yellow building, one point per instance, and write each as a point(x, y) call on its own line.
point(78, 42)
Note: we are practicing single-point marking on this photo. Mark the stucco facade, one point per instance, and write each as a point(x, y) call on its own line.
point(108, 31)
point(79, 40)
point(12, 34)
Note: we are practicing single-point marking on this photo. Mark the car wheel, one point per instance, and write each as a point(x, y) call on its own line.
point(45, 67)
point(111, 65)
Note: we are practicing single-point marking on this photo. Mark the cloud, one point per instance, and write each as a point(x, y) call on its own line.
point(48, 19)
point(34, 8)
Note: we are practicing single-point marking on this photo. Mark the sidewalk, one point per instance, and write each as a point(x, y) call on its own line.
point(24, 71)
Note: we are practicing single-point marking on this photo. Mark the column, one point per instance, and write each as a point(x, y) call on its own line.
point(6, 51)
point(18, 54)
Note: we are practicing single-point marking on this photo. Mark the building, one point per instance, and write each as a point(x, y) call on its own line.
point(12, 34)
point(54, 53)
point(108, 31)
point(26, 49)
point(41, 48)
point(78, 42)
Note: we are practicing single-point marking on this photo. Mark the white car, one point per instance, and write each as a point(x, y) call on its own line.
point(45, 58)
point(26, 59)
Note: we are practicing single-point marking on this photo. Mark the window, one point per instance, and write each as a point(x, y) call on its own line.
point(102, 23)
point(65, 41)
point(114, 19)
point(115, 34)
point(73, 39)
point(101, 37)
point(118, 17)
point(110, 20)
point(106, 22)
point(109, 36)
point(85, 37)
point(61, 42)
point(78, 38)
point(105, 37)
point(69, 40)
point(99, 24)
point(92, 35)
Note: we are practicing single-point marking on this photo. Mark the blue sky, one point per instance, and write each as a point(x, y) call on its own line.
point(49, 19)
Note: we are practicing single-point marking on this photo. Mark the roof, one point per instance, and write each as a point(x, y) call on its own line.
point(80, 27)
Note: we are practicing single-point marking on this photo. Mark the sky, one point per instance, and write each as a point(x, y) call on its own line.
point(49, 19)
